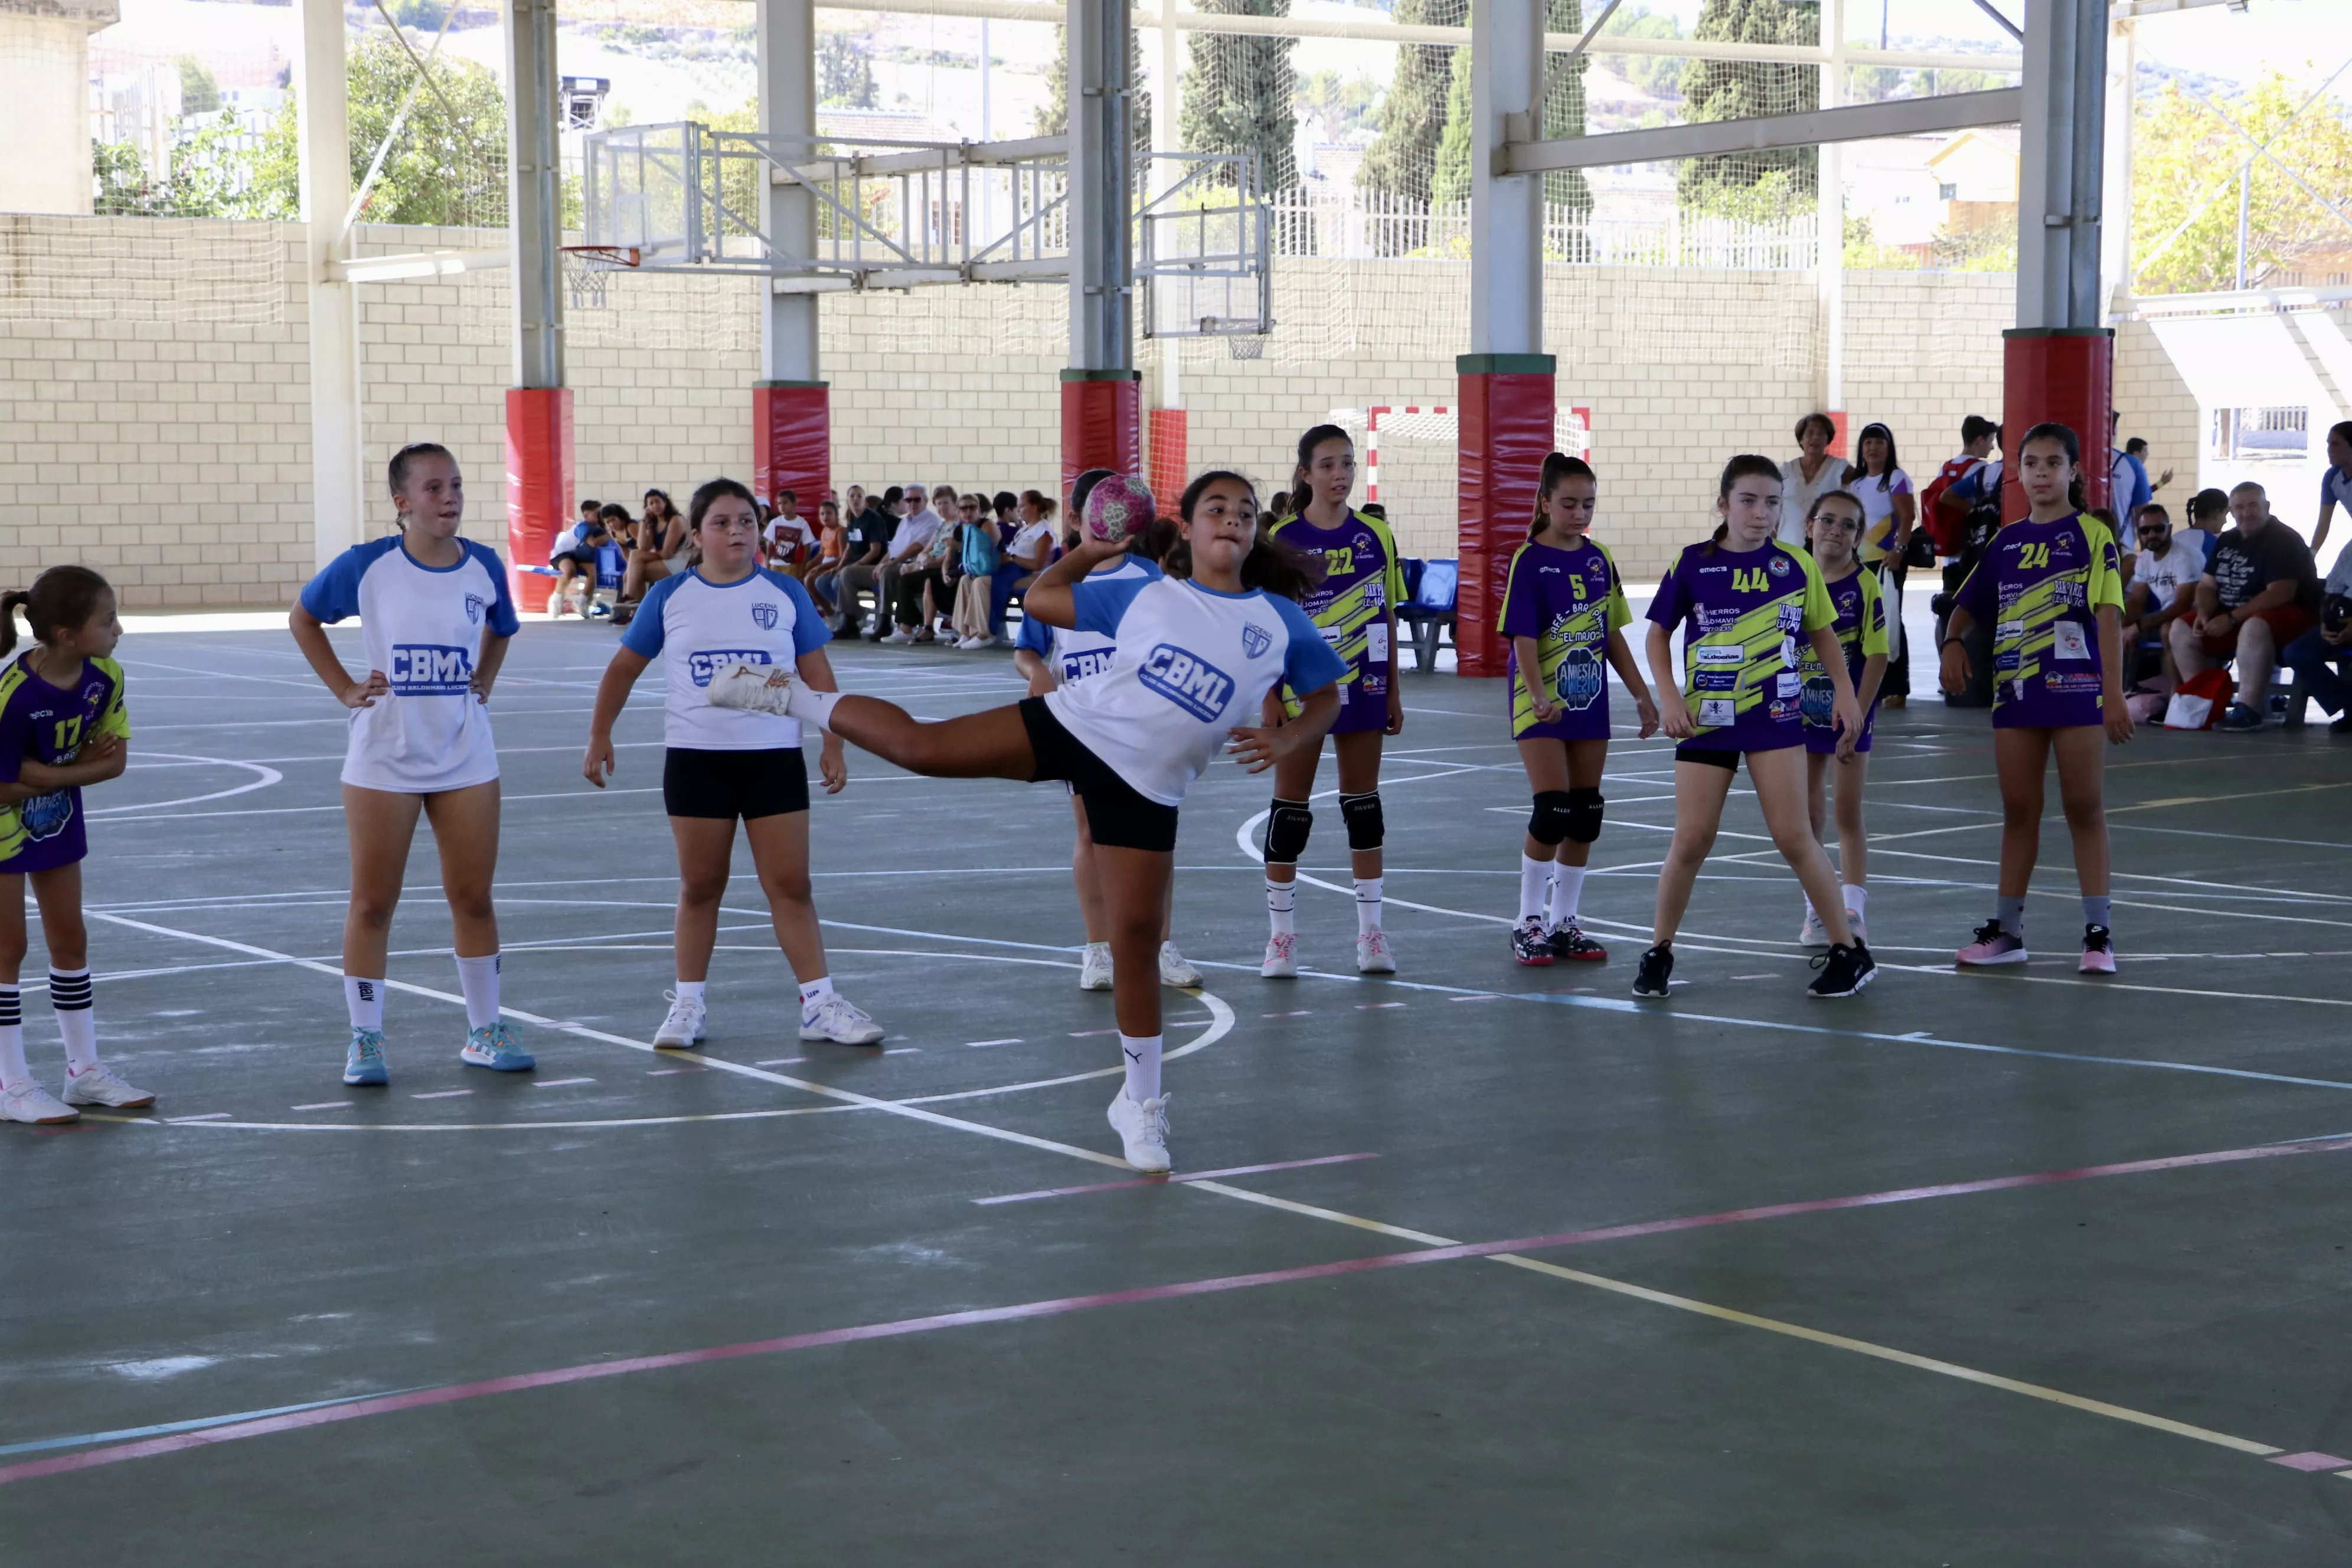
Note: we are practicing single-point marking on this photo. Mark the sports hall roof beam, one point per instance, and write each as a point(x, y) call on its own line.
point(1186, 21)
point(2011, 28)
point(1856, 123)
point(928, 160)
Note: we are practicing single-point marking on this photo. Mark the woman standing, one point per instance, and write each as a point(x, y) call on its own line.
point(1808, 475)
point(1889, 511)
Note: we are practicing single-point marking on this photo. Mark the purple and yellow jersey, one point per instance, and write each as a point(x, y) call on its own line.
point(1363, 583)
point(2040, 586)
point(43, 723)
point(1748, 615)
point(1568, 601)
point(1861, 628)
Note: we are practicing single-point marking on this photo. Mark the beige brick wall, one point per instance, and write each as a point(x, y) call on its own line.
point(153, 416)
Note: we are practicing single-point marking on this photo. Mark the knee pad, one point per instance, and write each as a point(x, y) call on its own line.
point(1287, 827)
point(1548, 823)
point(1361, 813)
point(1584, 815)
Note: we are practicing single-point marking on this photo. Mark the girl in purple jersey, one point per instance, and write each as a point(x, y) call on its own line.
point(1564, 610)
point(2052, 589)
point(1833, 530)
point(1745, 600)
point(1355, 607)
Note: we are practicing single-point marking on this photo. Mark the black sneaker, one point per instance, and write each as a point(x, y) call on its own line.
point(1568, 942)
point(1844, 971)
point(1528, 944)
point(2238, 716)
point(1657, 965)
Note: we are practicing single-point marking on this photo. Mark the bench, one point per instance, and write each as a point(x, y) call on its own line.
point(1427, 614)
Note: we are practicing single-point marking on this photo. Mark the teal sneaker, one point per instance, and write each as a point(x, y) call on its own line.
point(363, 1063)
point(495, 1048)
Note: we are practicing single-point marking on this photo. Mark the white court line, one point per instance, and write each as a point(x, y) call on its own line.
point(268, 777)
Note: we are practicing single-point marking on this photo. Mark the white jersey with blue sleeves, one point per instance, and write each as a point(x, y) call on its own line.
point(1188, 664)
point(1077, 655)
point(697, 627)
point(422, 627)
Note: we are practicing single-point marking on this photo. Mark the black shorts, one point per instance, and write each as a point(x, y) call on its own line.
point(584, 559)
point(1117, 815)
point(1712, 756)
point(728, 784)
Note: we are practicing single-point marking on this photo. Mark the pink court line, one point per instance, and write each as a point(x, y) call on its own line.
point(1163, 1180)
point(2312, 1459)
point(562, 1082)
point(91, 1458)
point(1300, 1014)
point(1376, 1006)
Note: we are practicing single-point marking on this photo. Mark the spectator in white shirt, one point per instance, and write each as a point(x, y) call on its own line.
point(1804, 478)
point(2161, 587)
point(908, 541)
point(788, 540)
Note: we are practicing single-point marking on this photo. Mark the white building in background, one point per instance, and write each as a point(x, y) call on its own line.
point(45, 103)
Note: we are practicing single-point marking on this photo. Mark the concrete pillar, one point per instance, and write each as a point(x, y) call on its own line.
point(338, 488)
point(1100, 402)
point(791, 438)
point(45, 103)
point(1169, 453)
point(2059, 361)
point(1508, 400)
point(1829, 218)
point(2115, 236)
point(539, 405)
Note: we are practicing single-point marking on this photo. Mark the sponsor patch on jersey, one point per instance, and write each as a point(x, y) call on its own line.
point(1818, 702)
point(1256, 639)
point(1715, 712)
point(1715, 680)
point(702, 667)
point(1778, 566)
point(1730, 653)
point(1188, 680)
point(1579, 680)
point(2071, 683)
point(764, 617)
point(1077, 667)
point(429, 670)
point(1790, 683)
point(45, 815)
point(2067, 641)
point(1791, 616)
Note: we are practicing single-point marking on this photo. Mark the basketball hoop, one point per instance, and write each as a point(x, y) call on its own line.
point(586, 268)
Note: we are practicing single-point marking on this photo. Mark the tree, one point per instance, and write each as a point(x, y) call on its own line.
point(1659, 75)
point(1413, 117)
point(1238, 95)
point(199, 92)
point(1752, 185)
point(442, 168)
point(1449, 174)
point(1563, 107)
point(2183, 154)
point(844, 74)
point(1054, 120)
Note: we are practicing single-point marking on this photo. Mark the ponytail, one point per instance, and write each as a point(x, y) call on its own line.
point(10, 603)
point(1558, 466)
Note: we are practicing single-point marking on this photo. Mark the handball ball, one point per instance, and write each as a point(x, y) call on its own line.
point(1119, 507)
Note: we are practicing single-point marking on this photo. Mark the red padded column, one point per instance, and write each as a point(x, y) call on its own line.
point(1506, 405)
point(1101, 410)
point(791, 441)
point(1168, 468)
point(538, 485)
point(2063, 373)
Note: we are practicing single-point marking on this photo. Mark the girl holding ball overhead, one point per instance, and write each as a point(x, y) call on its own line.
point(1563, 609)
point(2052, 587)
point(1193, 653)
point(1746, 602)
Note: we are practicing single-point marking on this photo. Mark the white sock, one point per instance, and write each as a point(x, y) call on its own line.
point(13, 1070)
point(479, 979)
point(1857, 899)
point(1142, 1054)
point(811, 707)
point(70, 994)
point(690, 990)
point(1368, 905)
point(363, 1000)
point(1281, 902)
point(812, 993)
point(1535, 877)
point(1567, 891)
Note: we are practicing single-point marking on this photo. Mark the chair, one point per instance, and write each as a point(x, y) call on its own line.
point(1428, 612)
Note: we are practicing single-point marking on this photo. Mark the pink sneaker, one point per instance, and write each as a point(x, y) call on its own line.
point(1992, 946)
point(2098, 951)
point(1281, 960)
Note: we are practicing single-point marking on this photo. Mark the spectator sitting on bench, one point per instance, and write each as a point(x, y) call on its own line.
point(2258, 593)
point(575, 564)
point(2322, 656)
point(2162, 587)
point(2209, 518)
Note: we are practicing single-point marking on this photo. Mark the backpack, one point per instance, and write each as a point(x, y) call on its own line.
point(2199, 699)
point(1945, 517)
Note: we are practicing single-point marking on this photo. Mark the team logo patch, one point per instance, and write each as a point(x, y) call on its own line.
point(429, 670)
point(765, 615)
point(1778, 566)
point(1256, 639)
point(474, 605)
point(1188, 680)
point(702, 667)
point(45, 815)
point(1578, 680)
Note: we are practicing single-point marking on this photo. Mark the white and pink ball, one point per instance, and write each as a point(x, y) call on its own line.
point(1119, 507)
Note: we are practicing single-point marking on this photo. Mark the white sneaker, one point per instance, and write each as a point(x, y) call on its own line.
point(1175, 969)
point(1810, 934)
point(1142, 1130)
point(978, 643)
point(683, 1027)
point(900, 635)
point(99, 1086)
point(1093, 968)
point(760, 687)
point(1281, 959)
point(1372, 954)
point(837, 1020)
point(28, 1101)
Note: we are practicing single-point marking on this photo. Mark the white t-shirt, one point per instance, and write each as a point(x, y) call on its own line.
point(2339, 579)
point(1026, 539)
point(697, 628)
point(790, 533)
point(915, 531)
point(2336, 485)
point(2182, 561)
point(1079, 656)
point(422, 626)
point(1878, 511)
point(1188, 664)
point(1798, 495)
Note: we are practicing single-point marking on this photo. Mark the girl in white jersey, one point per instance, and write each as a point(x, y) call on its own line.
point(435, 618)
point(724, 765)
point(1194, 653)
point(1049, 657)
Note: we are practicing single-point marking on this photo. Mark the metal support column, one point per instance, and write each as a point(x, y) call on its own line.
point(2060, 359)
point(1099, 402)
point(1828, 210)
point(338, 491)
point(1169, 444)
point(539, 405)
point(1508, 397)
point(2123, 76)
point(791, 437)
